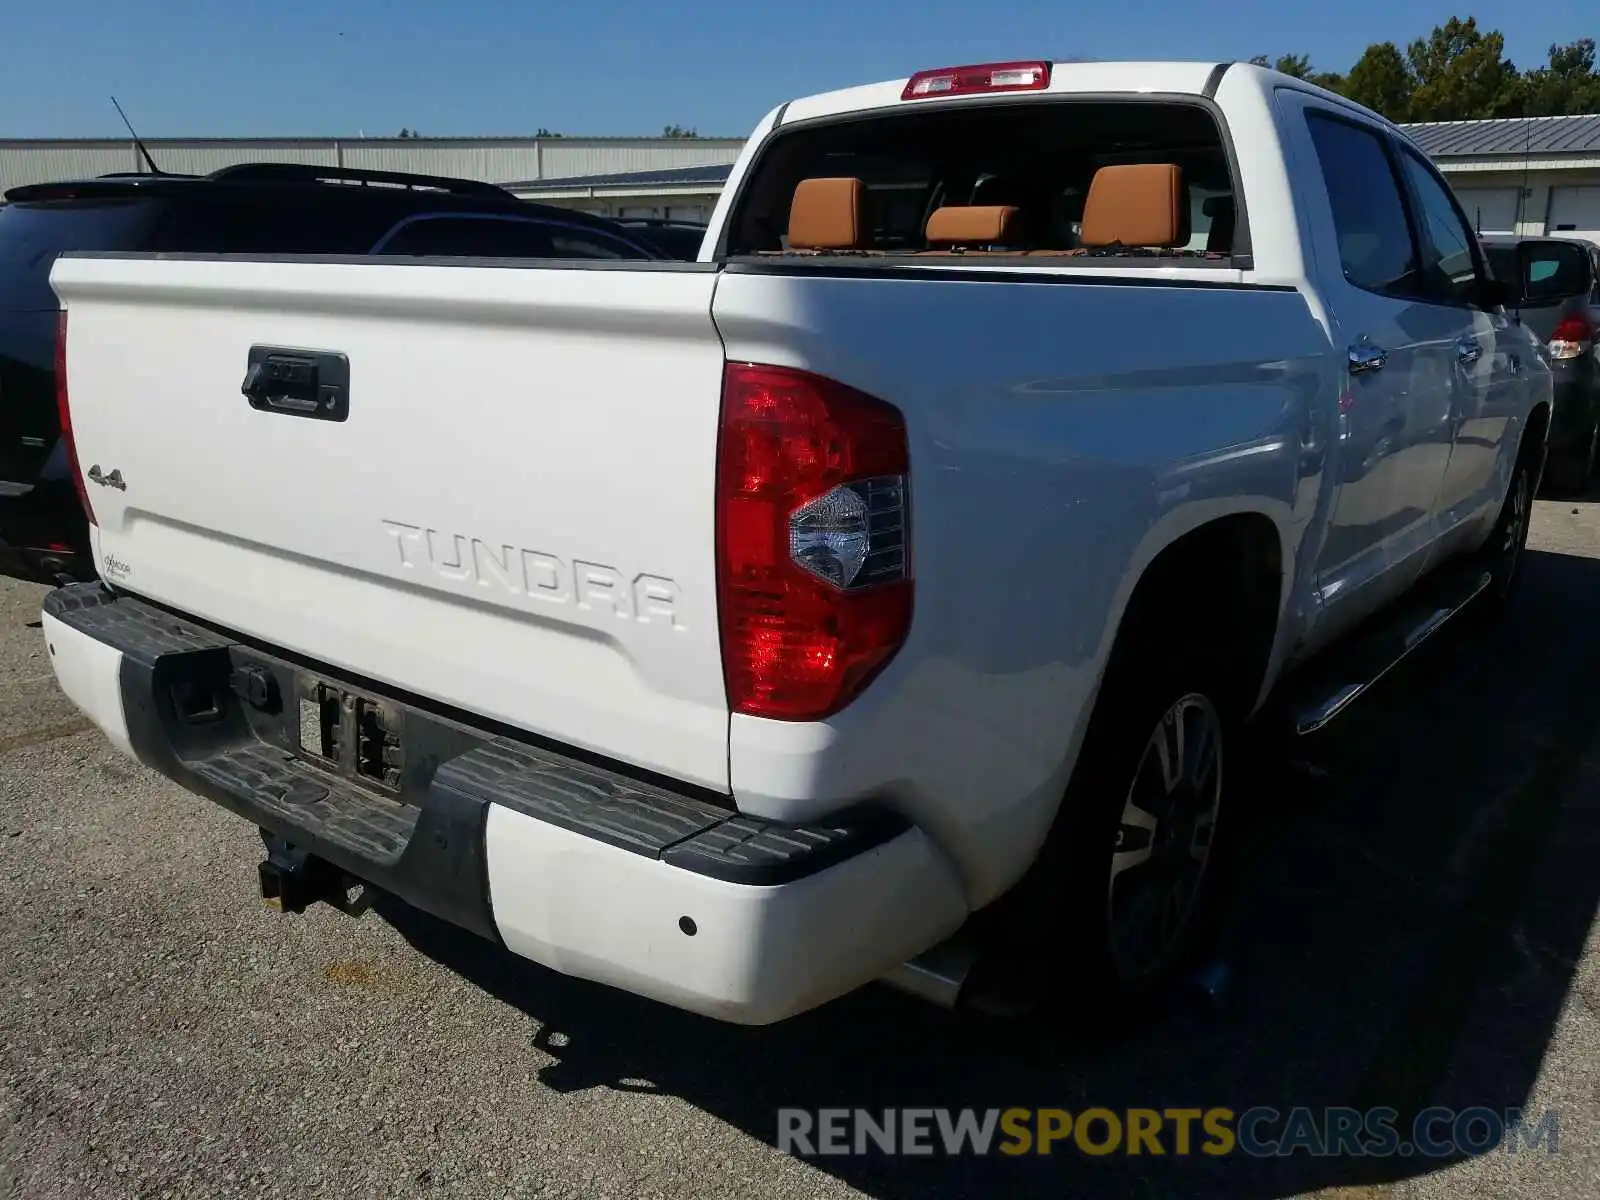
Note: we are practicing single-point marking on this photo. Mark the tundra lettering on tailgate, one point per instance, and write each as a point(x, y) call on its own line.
point(592, 587)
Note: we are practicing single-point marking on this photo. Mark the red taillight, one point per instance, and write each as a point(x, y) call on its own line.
point(813, 541)
point(980, 77)
point(1571, 337)
point(64, 415)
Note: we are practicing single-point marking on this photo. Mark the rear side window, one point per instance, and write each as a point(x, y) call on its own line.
point(1552, 272)
point(468, 237)
point(570, 243)
point(1451, 273)
point(1543, 272)
point(1375, 244)
point(283, 222)
point(32, 235)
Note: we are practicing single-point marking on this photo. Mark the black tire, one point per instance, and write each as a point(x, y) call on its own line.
point(1093, 856)
point(1502, 554)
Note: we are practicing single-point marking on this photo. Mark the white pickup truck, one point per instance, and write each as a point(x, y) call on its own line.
point(884, 593)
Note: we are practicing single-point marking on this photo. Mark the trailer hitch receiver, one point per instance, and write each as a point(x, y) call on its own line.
point(293, 879)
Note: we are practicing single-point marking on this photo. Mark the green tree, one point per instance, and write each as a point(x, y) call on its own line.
point(1462, 73)
point(678, 131)
point(1567, 84)
point(1299, 65)
point(545, 133)
point(1382, 81)
point(1457, 73)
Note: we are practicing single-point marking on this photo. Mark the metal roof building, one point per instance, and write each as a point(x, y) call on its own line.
point(1523, 175)
point(1542, 137)
point(492, 160)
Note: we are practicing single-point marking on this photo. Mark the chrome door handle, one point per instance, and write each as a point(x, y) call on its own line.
point(1468, 350)
point(1365, 357)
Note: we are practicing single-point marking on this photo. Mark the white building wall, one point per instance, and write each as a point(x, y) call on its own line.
point(1535, 185)
point(202, 159)
point(574, 156)
point(494, 160)
point(22, 163)
point(676, 207)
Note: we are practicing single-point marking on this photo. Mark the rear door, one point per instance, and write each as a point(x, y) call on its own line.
point(509, 509)
point(1486, 352)
point(1394, 427)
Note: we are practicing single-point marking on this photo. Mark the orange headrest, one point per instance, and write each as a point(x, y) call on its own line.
point(828, 214)
point(1136, 205)
point(980, 225)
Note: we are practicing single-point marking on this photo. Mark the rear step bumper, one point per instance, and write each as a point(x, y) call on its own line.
point(569, 862)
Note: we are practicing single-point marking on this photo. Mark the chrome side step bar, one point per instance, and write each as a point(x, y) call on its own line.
point(1371, 656)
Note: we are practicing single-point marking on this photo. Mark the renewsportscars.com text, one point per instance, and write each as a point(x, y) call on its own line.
point(1214, 1132)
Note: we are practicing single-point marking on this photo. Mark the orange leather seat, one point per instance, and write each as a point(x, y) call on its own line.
point(829, 214)
point(973, 225)
point(1141, 204)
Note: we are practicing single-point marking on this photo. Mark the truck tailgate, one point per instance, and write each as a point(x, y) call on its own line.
point(514, 517)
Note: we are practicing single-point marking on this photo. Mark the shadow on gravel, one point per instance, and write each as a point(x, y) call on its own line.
point(1404, 932)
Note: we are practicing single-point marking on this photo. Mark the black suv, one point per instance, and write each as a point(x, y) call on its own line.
point(261, 208)
point(675, 239)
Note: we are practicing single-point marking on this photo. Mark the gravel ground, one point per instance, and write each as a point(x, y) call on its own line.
point(1412, 924)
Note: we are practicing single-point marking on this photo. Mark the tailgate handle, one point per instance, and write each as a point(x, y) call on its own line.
point(298, 383)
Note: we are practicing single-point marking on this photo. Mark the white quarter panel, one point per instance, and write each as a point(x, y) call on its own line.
point(1063, 430)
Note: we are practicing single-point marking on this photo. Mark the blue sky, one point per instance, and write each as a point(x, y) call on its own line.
point(264, 67)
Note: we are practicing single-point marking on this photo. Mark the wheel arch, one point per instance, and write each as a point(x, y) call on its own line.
point(1240, 557)
point(1229, 563)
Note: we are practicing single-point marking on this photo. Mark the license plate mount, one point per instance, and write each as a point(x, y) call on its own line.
point(350, 732)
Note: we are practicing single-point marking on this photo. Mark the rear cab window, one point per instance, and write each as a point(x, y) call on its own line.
point(1039, 158)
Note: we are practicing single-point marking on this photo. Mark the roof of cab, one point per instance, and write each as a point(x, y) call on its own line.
point(1069, 78)
point(1065, 78)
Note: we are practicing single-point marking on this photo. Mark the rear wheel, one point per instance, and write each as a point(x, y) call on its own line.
point(1162, 845)
point(1137, 845)
point(1502, 554)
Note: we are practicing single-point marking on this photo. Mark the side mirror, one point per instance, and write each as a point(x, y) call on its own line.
point(1494, 293)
